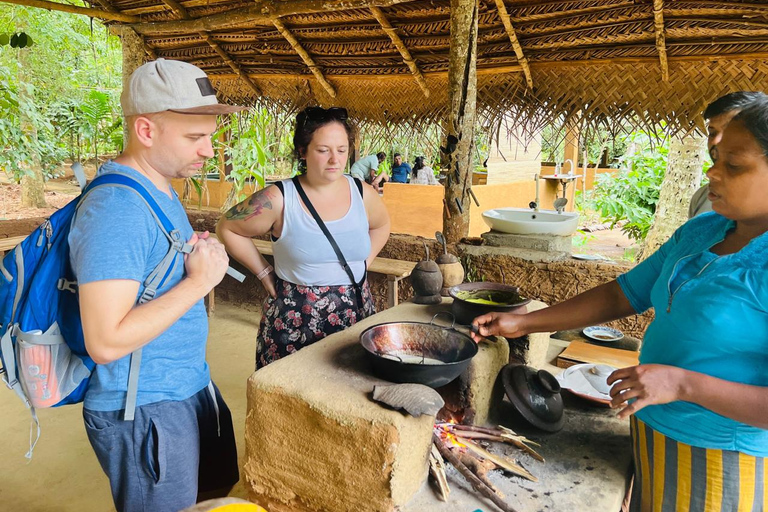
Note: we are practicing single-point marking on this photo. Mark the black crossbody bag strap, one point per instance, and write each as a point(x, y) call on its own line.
point(336, 249)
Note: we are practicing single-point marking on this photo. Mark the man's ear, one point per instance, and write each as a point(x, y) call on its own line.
point(145, 131)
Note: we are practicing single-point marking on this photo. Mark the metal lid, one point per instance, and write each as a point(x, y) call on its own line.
point(535, 394)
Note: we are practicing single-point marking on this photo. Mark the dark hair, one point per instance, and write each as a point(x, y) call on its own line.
point(755, 119)
point(381, 156)
point(732, 101)
point(397, 155)
point(418, 163)
point(308, 121)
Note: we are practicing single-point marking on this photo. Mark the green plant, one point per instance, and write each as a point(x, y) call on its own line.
point(632, 193)
point(582, 238)
point(27, 137)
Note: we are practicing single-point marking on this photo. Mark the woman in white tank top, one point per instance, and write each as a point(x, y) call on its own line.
point(311, 295)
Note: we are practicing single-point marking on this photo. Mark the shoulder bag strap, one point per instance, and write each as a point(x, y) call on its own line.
point(333, 243)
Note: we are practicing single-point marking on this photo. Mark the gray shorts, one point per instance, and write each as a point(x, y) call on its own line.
point(167, 454)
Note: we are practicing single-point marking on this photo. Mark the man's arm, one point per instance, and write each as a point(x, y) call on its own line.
point(115, 327)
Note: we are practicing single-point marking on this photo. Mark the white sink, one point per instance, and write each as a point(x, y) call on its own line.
point(524, 221)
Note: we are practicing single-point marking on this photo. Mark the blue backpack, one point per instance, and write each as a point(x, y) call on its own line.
point(42, 348)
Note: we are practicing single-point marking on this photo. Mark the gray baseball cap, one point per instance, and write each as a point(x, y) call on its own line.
point(171, 85)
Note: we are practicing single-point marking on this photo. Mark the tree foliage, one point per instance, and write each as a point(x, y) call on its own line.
point(66, 86)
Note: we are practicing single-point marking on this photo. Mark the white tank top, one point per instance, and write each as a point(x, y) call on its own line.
point(303, 254)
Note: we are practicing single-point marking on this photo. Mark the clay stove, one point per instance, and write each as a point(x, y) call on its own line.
point(315, 441)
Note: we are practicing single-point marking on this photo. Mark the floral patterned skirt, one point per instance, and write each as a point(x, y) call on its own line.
point(302, 315)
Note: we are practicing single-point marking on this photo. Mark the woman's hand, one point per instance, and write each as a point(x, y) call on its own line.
point(509, 325)
point(269, 284)
point(647, 384)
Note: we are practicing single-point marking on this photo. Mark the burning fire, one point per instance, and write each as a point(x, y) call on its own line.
point(444, 432)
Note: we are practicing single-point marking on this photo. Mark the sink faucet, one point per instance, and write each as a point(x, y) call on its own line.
point(570, 170)
point(534, 205)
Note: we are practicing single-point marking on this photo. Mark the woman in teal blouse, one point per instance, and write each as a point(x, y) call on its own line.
point(698, 400)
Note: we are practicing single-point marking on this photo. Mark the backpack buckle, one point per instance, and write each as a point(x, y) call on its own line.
point(66, 285)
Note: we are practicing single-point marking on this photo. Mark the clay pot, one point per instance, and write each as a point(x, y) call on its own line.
point(452, 271)
point(426, 280)
point(465, 311)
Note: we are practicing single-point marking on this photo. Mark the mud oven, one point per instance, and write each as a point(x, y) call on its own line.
point(316, 441)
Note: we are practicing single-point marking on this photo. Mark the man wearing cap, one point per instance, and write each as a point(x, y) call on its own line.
point(179, 447)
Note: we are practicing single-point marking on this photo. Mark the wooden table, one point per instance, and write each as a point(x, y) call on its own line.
point(7, 244)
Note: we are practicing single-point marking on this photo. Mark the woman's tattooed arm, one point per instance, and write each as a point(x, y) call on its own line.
point(252, 206)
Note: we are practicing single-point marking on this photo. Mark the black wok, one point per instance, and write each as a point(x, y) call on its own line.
point(403, 351)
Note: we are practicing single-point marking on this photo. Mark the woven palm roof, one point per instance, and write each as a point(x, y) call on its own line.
point(646, 62)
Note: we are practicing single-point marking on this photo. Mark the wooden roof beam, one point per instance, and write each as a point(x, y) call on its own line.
point(400, 45)
point(109, 7)
point(74, 9)
point(263, 12)
point(661, 45)
point(504, 15)
point(304, 56)
point(182, 12)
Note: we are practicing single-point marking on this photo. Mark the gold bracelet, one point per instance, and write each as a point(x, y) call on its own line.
point(264, 273)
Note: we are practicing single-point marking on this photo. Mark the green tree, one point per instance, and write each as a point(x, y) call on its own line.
point(73, 66)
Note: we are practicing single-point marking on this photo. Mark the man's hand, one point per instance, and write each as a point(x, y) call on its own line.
point(208, 261)
point(647, 384)
point(509, 325)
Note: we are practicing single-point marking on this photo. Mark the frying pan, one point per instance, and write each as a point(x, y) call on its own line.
point(417, 352)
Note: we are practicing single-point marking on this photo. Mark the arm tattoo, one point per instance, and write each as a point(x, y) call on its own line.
point(251, 207)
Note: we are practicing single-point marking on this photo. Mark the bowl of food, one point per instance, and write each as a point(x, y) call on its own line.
point(471, 300)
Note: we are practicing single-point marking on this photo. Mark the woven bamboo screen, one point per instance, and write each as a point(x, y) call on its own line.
point(649, 63)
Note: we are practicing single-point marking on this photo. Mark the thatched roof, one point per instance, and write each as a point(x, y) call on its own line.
point(647, 61)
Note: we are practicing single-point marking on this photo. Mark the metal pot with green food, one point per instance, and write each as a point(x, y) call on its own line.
point(471, 300)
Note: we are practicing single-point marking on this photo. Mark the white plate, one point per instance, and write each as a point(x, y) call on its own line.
point(580, 380)
point(603, 333)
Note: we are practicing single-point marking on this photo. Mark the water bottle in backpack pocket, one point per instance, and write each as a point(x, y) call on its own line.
point(48, 370)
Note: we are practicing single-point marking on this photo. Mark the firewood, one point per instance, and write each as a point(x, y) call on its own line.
point(502, 435)
point(476, 483)
point(479, 467)
point(500, 461)
point(437, 470)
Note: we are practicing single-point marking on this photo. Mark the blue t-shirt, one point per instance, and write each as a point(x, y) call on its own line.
point(115, 237)
point(400, 173)
point(712, 318)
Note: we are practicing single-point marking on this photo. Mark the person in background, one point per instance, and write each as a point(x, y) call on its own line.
point(180, 447)
point(423, 174)
point(366, 168)
point(400, 170)
point(310, 293)
point(697, 401)
point(718, 114)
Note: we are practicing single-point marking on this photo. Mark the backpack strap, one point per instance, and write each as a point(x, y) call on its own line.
point(336, 249)
point(156, 278)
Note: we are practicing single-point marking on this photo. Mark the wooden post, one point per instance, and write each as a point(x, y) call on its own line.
point(571, 146)
point(462, 83)
point(133, 57)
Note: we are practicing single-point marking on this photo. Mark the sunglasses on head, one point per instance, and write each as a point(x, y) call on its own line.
point(322, 114)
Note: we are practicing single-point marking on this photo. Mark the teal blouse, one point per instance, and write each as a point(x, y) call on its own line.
point(711, 317)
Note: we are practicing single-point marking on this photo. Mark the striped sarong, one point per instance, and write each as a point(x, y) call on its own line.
point(676, 477)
